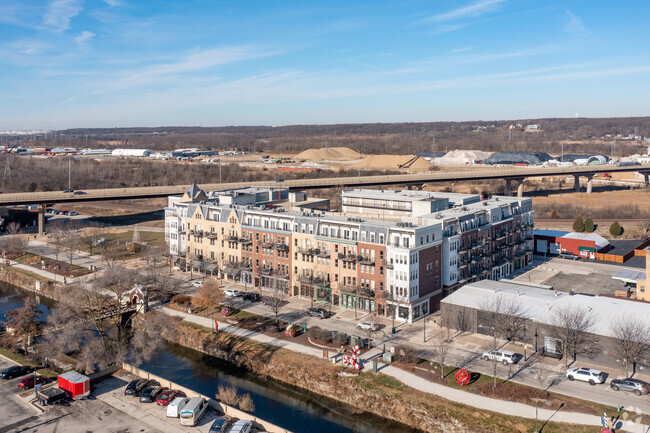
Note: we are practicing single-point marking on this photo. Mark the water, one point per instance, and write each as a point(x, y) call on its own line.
point(12, 297)
point(292, 408)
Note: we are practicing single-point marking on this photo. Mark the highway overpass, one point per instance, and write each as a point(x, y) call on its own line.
point(504, 173)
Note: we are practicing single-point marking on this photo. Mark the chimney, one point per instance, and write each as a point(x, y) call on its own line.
point(556, 293)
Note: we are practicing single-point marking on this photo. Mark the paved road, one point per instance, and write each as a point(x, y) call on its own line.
point(428, 177)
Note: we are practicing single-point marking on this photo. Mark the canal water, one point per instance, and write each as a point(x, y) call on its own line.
point(295, 409)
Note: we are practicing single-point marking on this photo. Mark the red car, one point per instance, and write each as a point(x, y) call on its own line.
point(28, 382)
point(168, 395)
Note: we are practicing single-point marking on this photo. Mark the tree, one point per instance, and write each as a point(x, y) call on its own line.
point(589, 225)
point(70, 243)
point(57, 232)
point(578, 225)
point(615, 229)
point(95, 321)
point(275, 302)
point(23, 323)
point(571, 323)
point(209, 296)
point(505, 316)
point(632, 340)
point(441, 348)
point(94, 237)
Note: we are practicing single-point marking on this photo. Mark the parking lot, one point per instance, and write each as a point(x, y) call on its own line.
point(14, 410)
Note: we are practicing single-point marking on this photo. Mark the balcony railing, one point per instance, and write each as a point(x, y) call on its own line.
point(309, 251)
point(387, 264)
point(368, 261)
point(233, 238)
point(282, 247)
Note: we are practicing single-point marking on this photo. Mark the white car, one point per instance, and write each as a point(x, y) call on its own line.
point(197, 283)
point(504, 356)
point(233, 293)
point(585, 374)
point(365, 326)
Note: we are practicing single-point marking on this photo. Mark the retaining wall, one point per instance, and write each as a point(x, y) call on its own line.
point(260, 424)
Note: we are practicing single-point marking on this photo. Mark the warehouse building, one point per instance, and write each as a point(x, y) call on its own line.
point(554, 242)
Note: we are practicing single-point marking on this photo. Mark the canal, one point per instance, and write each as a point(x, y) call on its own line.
point(295, 409)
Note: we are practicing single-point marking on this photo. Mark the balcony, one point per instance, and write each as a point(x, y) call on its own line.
point(308, 251)
point(212, 235)
point(387, 264)
point(245, 241)
point(233, 238)
point(349, 258)
point(368, 261)
point(323, 253)
point(282, 247)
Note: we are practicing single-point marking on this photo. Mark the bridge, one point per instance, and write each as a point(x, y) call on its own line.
point(509, 174)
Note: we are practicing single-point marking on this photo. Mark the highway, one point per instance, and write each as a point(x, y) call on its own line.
point(505, 173)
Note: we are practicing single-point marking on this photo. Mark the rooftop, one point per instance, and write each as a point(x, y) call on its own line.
point(539, 301)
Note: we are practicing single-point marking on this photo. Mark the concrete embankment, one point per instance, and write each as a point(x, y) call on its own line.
point(260, 424)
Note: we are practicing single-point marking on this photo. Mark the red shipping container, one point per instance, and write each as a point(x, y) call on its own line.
point(76, 384)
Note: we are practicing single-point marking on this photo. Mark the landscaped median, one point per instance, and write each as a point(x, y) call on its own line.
point(376, 393)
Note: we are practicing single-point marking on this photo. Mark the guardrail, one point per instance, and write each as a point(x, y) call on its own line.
point(438, 176)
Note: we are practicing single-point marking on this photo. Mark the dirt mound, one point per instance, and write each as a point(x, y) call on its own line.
point(328, 154)
point(388, 162)
point(461, 157)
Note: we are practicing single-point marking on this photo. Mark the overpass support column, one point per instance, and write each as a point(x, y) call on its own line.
point(520, 189)
point(41, 219)
point(590, 182)
point(576, 182)
point(508, 187)
point(646, 178)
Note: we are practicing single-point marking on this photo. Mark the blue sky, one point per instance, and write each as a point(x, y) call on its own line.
point(112, 63)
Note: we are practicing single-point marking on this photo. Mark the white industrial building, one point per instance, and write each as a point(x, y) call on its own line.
point(132, 152)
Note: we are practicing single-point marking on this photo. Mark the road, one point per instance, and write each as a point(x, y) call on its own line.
point(23, 198)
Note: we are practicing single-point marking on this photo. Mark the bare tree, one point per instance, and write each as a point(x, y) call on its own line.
point(70, 243)
point(14, 228)
point(22, 325)
point(57, 232)
point(94, 237)
point(542, 373)
point(275, 302)
point(463, 321)
point(441, 348)
point(572, 324)
point(504, 316)
point(632, 340)
point(209, 296)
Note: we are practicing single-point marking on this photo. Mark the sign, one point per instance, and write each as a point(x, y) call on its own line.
point(590, 249)
point(462, 377)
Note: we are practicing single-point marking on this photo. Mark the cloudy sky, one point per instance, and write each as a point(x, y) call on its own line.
point(106, 63)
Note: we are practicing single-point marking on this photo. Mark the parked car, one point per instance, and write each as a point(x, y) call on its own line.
point(568, 255)
point(15, 371)
point(636, 386)
point(79, 193)
point(150, 393)
point(280, 180)
point(585, 374)
point(197, 283)
point(365, 326)
point(241, 426)
point(73, 213)
point(168, 395)
point(66, 191)
point(504, 356)
point(29, 382)
point(232, 293)
point(250, 296)
point(318, 312)
point(134, 387)
point(220, 424)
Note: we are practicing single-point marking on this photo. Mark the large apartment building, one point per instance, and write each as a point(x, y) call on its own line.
point(382, 266)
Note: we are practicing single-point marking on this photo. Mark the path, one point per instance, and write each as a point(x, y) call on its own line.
point(455, 395)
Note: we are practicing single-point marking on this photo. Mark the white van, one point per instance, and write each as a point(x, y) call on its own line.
point(175, 406)
point(193, 411)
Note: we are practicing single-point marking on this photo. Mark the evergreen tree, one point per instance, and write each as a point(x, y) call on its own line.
point(615, 229)
point(578, 225)
point(589, 225)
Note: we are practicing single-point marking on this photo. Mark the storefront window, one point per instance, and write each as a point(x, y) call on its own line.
point(425, 308)
point(416, 312)
point(403, 313)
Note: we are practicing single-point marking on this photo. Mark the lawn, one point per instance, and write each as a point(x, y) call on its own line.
point(59, 267)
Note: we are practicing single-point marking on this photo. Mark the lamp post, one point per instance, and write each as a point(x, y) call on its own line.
point(424, 329)
point(536, 429)
point(341, 351)
point(525, 344)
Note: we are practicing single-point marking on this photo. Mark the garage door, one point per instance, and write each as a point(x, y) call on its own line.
point(542, 246)
point(555, 248)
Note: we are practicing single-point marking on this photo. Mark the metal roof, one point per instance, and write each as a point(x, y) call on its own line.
point(550, 233)
point(538, 302)
point(600, 241)
point(74, 377)
point(630, 275)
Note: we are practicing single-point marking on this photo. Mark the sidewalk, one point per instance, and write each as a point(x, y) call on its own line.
point(458, 396)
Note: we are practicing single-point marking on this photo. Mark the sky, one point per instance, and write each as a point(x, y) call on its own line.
point(117, 63)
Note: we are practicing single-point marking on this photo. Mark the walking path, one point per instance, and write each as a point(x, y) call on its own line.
point(456, 395)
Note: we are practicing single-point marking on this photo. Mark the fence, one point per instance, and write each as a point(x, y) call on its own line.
point(622, 258)
point(258, 423)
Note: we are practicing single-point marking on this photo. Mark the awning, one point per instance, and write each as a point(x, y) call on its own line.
point(629, 275)
point(212, 267)
point(231, 271)
point(197, 264)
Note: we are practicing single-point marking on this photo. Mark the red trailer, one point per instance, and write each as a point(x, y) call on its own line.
point(76, 384)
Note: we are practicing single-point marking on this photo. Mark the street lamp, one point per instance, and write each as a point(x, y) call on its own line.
point(424, 329)
point(525, 344)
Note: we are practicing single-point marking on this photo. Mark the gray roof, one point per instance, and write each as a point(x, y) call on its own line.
point(194, 190)
point(74, 377)
point(532, 158)
point(630, 275)
point(539, 302)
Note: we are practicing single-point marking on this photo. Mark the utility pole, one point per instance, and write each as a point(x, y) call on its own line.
point(69, 172)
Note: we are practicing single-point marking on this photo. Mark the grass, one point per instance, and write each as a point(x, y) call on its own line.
point(27, 274)
point(25, 360)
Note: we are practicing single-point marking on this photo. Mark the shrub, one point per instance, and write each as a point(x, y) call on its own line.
point(325, 335)
point(578, 225)
point(340, 338)
point(314, 332)
point(408, 354)
point(615, 229)
point(246, 403)
point(180, 299)
point(589, 225)
point(228, 394)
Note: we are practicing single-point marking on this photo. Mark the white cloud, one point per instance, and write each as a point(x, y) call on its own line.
point(471, 11)
point(60, 12)
point(113, 3)
point(575, 24)
point(84, 37)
